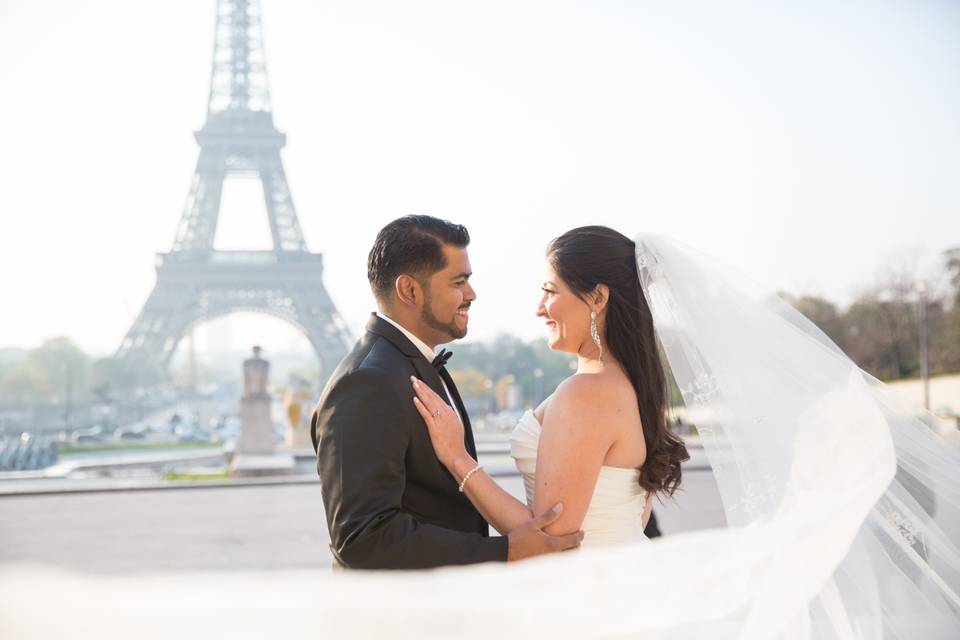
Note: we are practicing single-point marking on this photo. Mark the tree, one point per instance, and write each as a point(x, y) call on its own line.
point(880, 330)
point(56, 371)
point(952, 260)
point(824, 314)
point(945, 340)
point(470, 382)
point(534, 368)
point(883, 337)
point(112, 374)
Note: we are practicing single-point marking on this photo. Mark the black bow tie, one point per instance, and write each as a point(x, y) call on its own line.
point(442, 358)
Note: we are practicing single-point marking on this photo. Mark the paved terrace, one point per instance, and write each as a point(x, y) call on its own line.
point(225, 528)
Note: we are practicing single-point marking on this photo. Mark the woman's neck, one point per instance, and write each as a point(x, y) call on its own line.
point(592, 364)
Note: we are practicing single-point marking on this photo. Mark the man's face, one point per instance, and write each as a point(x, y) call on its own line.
point(448, 296)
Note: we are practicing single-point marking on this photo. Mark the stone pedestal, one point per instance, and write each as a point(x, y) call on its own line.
point(256, 425)
point(262, 464)
point(255, 453)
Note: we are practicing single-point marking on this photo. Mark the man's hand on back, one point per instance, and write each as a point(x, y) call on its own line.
point(529, 539)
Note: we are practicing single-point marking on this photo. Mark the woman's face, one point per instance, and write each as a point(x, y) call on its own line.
point(567, 316)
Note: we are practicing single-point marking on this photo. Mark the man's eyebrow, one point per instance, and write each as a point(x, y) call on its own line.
point(464, 274)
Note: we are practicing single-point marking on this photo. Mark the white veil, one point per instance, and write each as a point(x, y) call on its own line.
point(843, 510)
point(798, 436)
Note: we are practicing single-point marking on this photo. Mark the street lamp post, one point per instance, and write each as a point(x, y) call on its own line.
point(924, 353)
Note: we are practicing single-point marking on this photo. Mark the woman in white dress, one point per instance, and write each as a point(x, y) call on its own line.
point(599, 445)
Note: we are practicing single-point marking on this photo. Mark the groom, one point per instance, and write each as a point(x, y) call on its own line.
point(390, 503)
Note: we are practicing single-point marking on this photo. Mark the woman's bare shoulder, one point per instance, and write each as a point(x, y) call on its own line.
point(589, 395)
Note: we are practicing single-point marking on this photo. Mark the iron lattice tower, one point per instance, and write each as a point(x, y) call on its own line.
point(196, 283)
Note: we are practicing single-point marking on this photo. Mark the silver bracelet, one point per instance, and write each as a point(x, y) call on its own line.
point(467, 477)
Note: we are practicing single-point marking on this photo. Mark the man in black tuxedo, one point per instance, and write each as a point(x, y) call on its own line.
point(390, 503)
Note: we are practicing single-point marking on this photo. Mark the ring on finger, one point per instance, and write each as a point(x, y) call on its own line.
point(436, 414)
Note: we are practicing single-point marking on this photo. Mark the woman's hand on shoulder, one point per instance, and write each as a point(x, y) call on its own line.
point(446, 430)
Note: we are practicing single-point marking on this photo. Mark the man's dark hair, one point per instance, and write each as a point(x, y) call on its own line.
point(412, 245)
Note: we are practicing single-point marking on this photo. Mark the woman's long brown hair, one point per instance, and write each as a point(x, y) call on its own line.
point(586, 257)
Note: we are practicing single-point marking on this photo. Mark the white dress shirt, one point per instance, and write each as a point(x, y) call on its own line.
point(428, 353)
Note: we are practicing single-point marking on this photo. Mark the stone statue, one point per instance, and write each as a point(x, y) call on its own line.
point(256, 372)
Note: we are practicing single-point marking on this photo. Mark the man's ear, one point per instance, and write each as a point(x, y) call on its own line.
point(408, 290)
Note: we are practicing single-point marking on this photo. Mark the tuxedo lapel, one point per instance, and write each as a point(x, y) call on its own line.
point(455, 393)
point(426, 372)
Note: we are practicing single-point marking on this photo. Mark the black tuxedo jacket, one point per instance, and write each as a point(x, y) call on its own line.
point(390, 503)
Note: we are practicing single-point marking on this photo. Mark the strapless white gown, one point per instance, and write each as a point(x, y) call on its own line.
point(616, 508)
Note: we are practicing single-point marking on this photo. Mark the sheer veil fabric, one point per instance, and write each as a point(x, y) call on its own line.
point(842, 505)
point(866, 495)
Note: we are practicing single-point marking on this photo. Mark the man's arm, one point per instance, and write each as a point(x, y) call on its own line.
point(360, 458)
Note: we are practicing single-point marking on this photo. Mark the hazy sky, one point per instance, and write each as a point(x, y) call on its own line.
point(806, 143)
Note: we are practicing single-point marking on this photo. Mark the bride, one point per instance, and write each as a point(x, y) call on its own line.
point(842, 505)
point(599, 445)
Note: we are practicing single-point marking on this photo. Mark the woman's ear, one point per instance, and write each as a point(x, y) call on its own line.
point(408, 290)
point(601, 296)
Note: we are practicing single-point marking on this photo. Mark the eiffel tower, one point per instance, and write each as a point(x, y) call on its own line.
point(196, 283)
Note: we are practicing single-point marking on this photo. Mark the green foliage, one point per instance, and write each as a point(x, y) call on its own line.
point(55, 371)
point(482, 369)
point(883, 337)
point(172, 476)
point(58, 370)
point(112, 376)
point(881, 330)
point(532, 366)
point(952, 262)
point(824, 314)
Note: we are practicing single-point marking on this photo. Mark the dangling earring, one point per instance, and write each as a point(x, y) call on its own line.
point(595, 334)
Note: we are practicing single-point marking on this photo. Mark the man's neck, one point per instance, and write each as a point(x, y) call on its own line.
point(406, 326)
